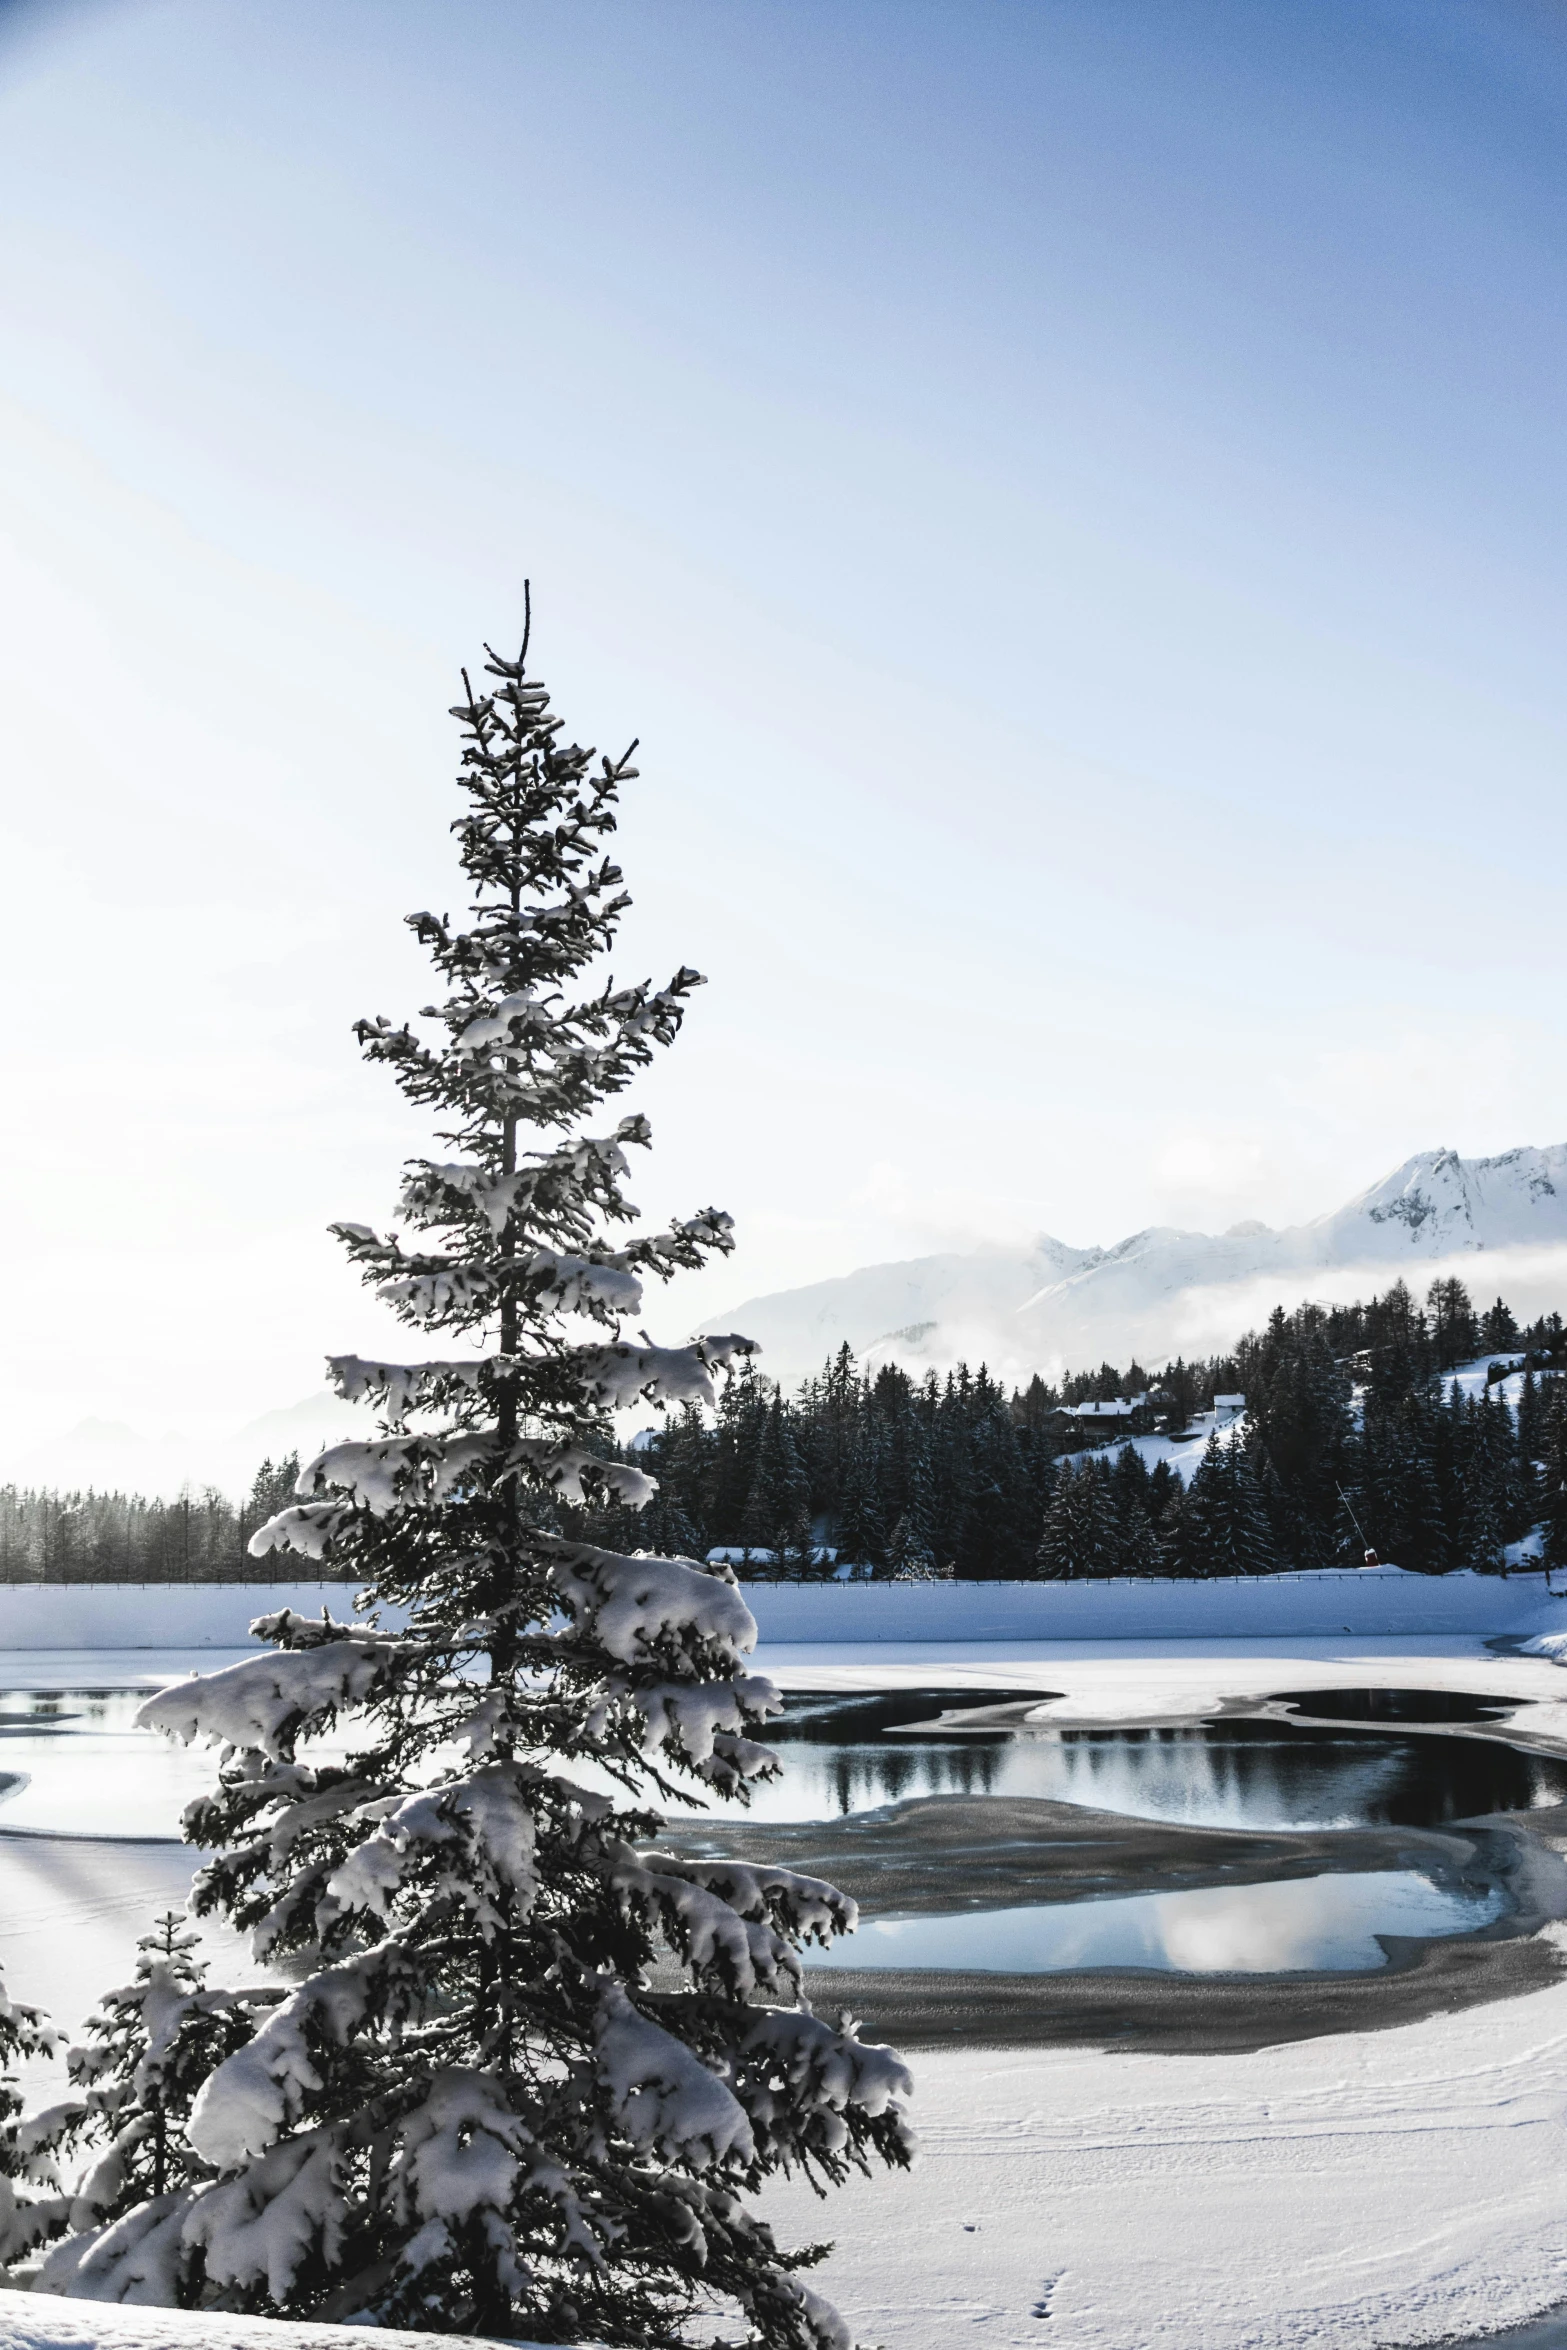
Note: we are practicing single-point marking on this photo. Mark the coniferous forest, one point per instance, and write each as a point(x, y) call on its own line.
point(1355, 1437)
point(92, 1537)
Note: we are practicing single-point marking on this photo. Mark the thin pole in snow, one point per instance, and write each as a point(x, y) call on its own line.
point(1354, 1521)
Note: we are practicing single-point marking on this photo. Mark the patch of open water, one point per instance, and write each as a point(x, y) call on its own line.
point(844, 1754)
point(1399, 1705)
point(1319, 1925)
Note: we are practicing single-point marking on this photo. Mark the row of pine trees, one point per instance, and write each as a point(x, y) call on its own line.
point(91, 1537)
point(1355, 1438)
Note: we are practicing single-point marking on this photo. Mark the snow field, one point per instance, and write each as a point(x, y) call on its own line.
point(37, 2322)
point(1371, 2192)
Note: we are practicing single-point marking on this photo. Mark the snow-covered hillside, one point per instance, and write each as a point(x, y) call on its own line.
point(1163, 1291)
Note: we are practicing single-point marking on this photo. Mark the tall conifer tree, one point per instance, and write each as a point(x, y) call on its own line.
point(1553, 1483)
point(531, 2066)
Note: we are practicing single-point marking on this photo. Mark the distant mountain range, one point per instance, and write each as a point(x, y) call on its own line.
point(1163, 1291)
point(112, 1457)
point(1159, 1293)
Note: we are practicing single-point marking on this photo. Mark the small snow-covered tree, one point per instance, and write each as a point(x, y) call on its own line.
point(532, 2065)
point(26, 2219)
point(145, 2053)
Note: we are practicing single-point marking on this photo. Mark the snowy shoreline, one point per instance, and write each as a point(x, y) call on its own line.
point(1396, 2191)
point(1361, 1602)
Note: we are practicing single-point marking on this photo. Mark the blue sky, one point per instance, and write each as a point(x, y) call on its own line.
point(1070, 496)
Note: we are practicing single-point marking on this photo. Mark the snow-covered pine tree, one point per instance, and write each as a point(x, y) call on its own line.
point(1081, 1534)
point(1553, 1479)
point(145, 2054)
point(532, 2065)
point(26, 2159)
point(912, 1551)
point(1221, 1527)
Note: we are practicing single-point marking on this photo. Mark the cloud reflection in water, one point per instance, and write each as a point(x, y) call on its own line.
point(1307, 1924)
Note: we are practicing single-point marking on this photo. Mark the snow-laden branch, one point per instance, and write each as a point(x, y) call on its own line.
point(264, 1702)
point(748, 1957)
point(582, 1285)
point(403, 1387)
point(664, 2098)
point(480, 1831)
point(645, 1610)
point(807, 1906)
point(563, 1465)
point(618, 1376)
point(259, 2230)
point(257, 2094)
point(686, 1718)
point(816, 2066)
point(462, 2151)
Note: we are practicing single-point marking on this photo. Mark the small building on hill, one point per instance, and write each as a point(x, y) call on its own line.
point(1097, 1422)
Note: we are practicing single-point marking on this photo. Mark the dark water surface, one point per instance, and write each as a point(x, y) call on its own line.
point(845, 1754)
point(1399, 1705)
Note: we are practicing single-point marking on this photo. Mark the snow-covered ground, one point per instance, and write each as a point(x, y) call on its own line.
point(1389, 2188)
point(1371, 2192)
point(29, 2322)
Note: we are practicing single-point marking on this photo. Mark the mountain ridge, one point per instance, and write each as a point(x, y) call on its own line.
point(1154, 1292)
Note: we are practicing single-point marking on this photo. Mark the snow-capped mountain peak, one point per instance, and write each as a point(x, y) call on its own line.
point(1162, 1291)
point(1438, 1204)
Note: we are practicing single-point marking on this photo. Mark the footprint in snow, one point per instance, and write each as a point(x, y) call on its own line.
point(1047, 2293)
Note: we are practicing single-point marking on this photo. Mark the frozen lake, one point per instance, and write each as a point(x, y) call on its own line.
point(91, 1804)
point(74, 1763)
point(1382, 2188)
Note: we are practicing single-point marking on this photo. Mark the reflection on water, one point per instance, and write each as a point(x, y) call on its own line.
point(1400, 1705)
point(1245, 1774)
point(1326, 1924)
point(82, 1767)
point(848, 1754)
